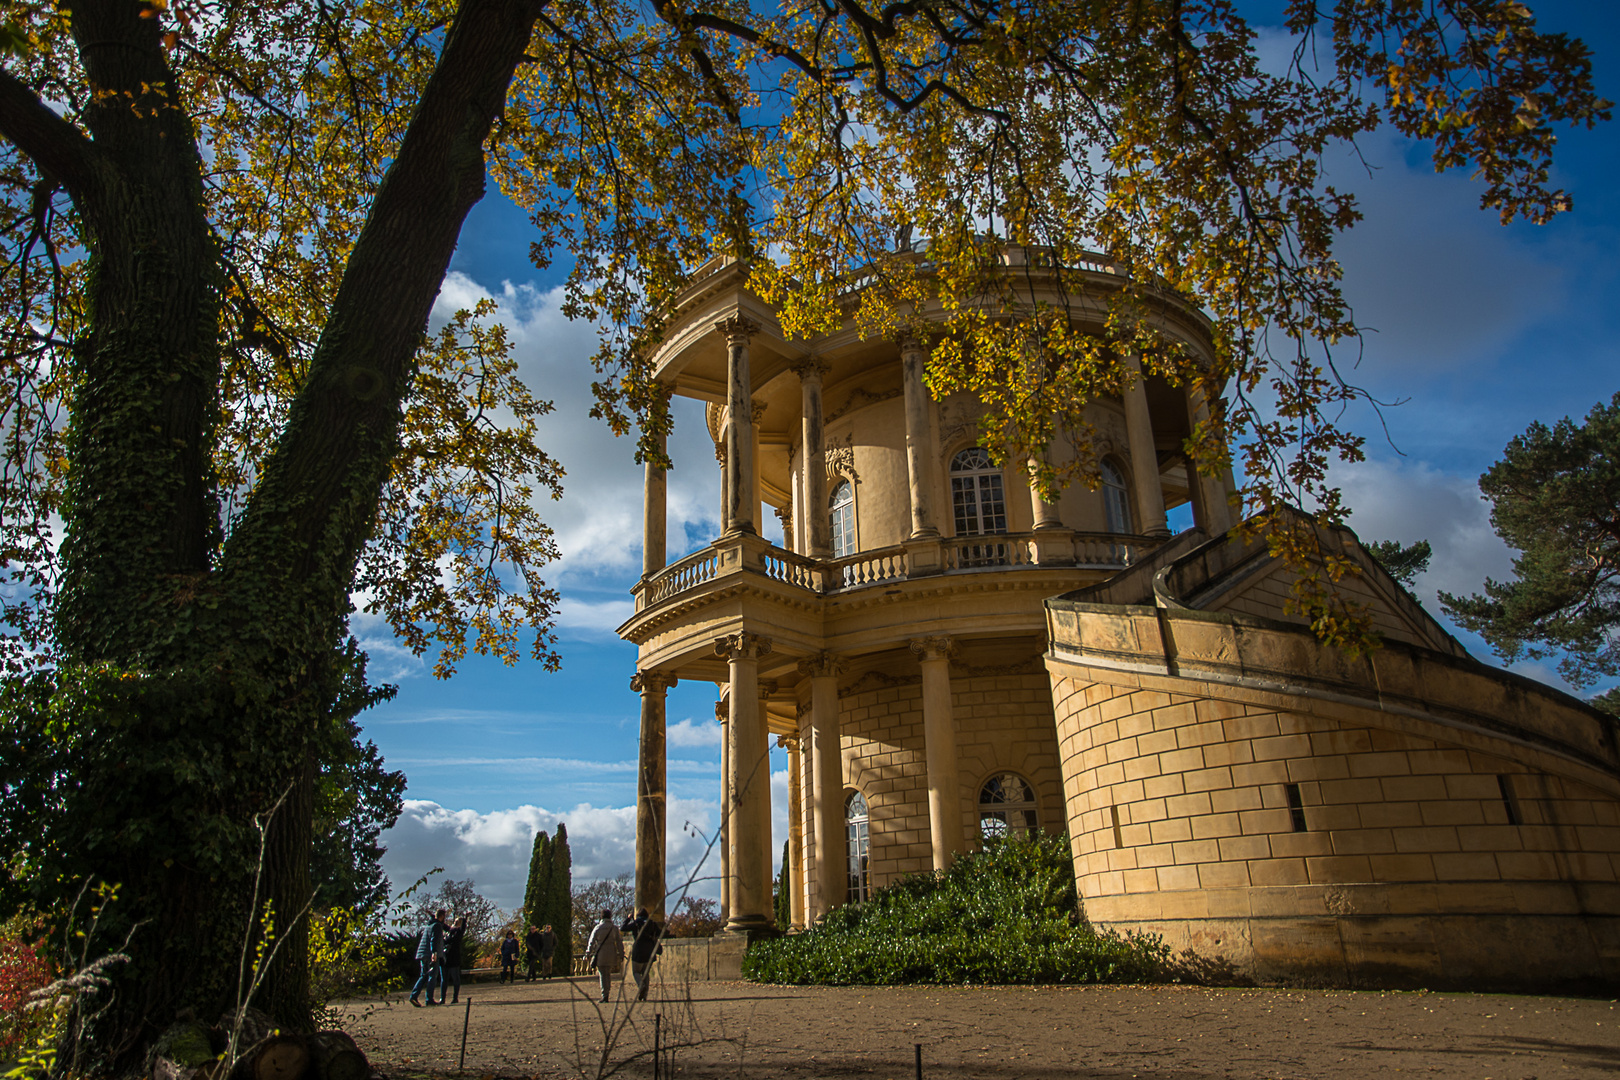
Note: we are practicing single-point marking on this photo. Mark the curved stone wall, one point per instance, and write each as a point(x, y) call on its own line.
point(1342, 832)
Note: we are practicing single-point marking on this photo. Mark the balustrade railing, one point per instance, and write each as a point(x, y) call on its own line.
point(1004, 551)
point(784, 565)
point(866, 568)
point(695, 569)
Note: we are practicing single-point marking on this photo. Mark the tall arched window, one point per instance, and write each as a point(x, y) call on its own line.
point(855, 820)
point(1007, 808)
point(976, 494)
point(841, 507)
point(1116, 500)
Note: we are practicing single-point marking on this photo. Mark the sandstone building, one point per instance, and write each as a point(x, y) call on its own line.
point(946, 658)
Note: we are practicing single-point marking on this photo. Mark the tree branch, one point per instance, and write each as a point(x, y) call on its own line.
point(58, 148)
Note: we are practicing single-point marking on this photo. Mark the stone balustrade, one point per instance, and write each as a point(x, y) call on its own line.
point(1042, 550)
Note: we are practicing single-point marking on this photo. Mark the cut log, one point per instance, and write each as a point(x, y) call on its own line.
point(256, 1027)
point(279, 1057)
point(183, 1052)
point(336, 1057)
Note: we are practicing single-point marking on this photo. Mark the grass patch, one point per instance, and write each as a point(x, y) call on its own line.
point(1008, 914)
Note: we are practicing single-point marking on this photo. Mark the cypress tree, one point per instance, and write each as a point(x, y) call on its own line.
point(783, 907)
point(560, 909)
point(539, 873)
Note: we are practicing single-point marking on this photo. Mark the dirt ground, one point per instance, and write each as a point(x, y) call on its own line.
point(721, 1029)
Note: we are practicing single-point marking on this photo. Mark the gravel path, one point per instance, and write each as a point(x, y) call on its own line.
point(553, 1029)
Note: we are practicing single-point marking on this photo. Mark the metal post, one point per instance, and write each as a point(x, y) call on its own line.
point(465, 1020)
point(919, 1059)
point(658, 1041)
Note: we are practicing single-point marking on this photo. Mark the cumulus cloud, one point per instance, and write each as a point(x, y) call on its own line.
point(1411, 500)
point(693, 733)
point(598, 521)
point(494, 848)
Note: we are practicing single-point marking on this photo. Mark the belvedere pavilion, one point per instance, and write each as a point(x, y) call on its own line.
point(948, 658)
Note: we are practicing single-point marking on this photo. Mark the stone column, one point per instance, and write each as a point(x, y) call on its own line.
point(748, 786)
point(725, 482)
point(767, 845)
point(651, 821)
point(1045, 513)
point(939, 739)
point(818, 530)
point(654, 519)
point(826, 785)
point(795, 876)
point(741, 503)
point(758, 498)
point(920, 463)
point(1144, 455)
point(1210, 497)
point(722, 716)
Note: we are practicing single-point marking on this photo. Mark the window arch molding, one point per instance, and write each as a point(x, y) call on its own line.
point(1118, 514)
point(1008, 807)
point(978, 492)
point(858, 845)
point(841, 519)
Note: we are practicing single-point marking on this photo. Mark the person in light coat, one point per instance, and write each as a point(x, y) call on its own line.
point(605, 951)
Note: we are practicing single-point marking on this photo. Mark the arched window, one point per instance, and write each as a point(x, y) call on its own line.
point(855, 819)
point(1116, 500)
point(976, 494)
point(1007, 808)
point(841, 506)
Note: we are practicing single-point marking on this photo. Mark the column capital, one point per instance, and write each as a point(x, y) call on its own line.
point(910, 342)
point(736, 329)
point(811, 368)
point(652, 682)
point(722, 711)
point(758, 411)
point(933, 648)
point(767, 687)
point(789, 743)
point(742, 646)
point(820, 665)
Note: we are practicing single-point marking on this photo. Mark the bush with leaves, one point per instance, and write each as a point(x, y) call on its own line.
point(1008, 914)
point(22, 971)
point(348, 955)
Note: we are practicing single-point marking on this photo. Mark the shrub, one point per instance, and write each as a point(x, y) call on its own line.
point(22, 971)
point(1008, 914)
point(347, 956)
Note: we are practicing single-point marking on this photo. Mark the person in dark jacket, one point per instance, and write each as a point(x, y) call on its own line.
point(509, 957)
point(533, 940)
point(645, 945)
point(548, 946)
point(452, 960)
point(430, 954)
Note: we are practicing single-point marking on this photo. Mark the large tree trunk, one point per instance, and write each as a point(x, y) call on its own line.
point(201, 674)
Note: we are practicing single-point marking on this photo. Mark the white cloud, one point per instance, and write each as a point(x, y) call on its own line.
point(598, 521)
point(693, 733)
point(599, 617)
point(1410, 501)
point(494, 848)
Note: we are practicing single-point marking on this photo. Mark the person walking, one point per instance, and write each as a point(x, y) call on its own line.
point(533, 939)
point(452, 959)
point(509, 957)
point(605, 951)
point(430, 955)
point(646, 944)
point(548, 947)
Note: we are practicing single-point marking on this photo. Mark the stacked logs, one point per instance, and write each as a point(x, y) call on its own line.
point(192, 1050)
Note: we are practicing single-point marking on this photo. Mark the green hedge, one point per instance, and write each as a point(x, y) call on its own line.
point(1005, 915)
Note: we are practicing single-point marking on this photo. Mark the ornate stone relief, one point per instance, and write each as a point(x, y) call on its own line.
point(841, 461)
point(859, 398)
point(877, 680)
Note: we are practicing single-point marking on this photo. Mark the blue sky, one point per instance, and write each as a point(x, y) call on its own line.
point(1477, 328)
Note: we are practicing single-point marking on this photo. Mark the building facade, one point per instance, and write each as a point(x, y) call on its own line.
point(948, 658)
